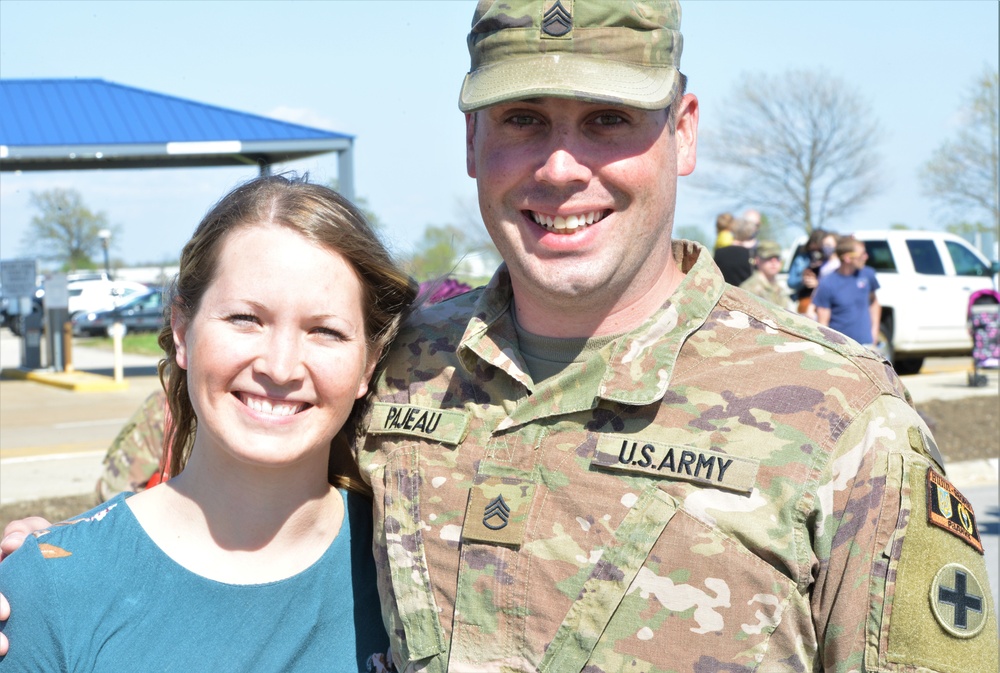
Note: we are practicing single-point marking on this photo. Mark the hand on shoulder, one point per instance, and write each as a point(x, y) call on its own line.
point(16, 531)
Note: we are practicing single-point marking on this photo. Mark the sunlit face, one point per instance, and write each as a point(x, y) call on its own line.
point(275, 354)
point(579, 197)
point(769, 267)
point(855, 259)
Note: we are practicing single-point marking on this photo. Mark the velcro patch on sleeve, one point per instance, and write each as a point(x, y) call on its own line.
point(925, 444)
point(950, 510)
point(446, 427)
point(656, 459)
point(936, 605)
point(958, 601)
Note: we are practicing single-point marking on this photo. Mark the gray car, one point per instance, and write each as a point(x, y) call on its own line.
point(141, 313)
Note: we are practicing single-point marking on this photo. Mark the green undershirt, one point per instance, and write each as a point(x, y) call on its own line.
point(547, 357)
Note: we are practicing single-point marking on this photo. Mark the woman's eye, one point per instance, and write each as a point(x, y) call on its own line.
point(243, 319)
point(329, 332)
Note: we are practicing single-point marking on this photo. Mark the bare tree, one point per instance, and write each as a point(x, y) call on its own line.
point(962, 174)
point(801, 146)
point(65, 229)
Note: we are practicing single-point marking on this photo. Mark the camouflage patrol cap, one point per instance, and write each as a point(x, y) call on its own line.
point(613, 51)
point(768, 249)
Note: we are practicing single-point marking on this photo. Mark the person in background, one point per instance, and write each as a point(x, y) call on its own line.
point(845, 300)
point(830, 259)
point(753, 216)
point(764, 282)
point(283, 306)
point(724, 230)
point(803, 272)
point(735, 260)
point(609, 459)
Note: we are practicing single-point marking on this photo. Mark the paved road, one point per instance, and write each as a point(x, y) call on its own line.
point(52, 440)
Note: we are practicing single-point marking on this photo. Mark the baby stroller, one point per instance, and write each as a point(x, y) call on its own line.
point(984, 326)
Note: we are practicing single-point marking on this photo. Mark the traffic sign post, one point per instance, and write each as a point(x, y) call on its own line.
point(18, 277)
point(56, 316)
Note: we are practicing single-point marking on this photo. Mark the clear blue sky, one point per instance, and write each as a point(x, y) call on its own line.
point(389, 73)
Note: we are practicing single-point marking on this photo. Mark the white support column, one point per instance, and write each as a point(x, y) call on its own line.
point(345, 171)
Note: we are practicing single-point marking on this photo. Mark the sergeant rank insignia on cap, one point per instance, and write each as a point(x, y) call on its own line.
point(950, 510)
point(557, 20)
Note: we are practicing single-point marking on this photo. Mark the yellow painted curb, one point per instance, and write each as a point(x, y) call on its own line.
point(80, 382)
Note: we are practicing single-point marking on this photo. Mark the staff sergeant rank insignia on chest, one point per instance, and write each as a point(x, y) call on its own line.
point(655, 459)
point(440, 425)
point(498, 510)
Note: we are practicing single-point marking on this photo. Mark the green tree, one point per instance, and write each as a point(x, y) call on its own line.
point(801, 145)
point(66, 230)
point(438, 252)
point(451, 250)
point(463, 251)
point(961, 176)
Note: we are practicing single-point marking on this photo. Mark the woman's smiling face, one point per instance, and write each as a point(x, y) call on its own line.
point(276, 352)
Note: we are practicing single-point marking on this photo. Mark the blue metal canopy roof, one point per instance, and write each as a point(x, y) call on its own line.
point(70, 124)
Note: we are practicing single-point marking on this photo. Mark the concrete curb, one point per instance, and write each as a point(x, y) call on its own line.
point(80, 382)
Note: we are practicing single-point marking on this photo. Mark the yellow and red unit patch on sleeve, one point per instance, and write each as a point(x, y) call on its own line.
point(950, 510)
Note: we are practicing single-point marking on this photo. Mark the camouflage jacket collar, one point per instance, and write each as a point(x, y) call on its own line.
point(634, 369)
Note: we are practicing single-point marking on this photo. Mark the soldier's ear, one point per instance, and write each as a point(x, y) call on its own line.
point(470, 146)
point(686, 134)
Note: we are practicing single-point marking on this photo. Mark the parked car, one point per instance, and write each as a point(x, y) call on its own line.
point(11, 310)
point(88, 291)
point(87, 296)
point(926, 278)
point(140, 313)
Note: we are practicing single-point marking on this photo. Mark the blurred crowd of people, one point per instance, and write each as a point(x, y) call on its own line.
point(828, 279)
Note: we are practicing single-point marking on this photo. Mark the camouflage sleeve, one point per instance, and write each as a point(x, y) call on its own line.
point(134, 455)
point(901, 581)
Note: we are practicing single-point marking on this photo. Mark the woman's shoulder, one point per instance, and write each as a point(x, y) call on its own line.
point(69, 553)
point(102, 521)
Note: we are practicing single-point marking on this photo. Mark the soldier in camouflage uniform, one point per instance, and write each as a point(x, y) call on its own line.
point(134, 457)
point(764, 282)
point(608, 459)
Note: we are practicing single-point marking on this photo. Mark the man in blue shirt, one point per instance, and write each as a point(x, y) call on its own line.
point(845, 300)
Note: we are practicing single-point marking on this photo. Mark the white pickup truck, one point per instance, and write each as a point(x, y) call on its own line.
point(925, 280)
